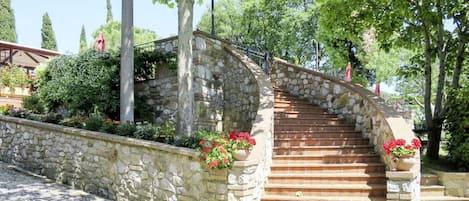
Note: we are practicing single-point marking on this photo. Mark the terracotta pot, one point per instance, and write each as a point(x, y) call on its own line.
point(241, 154)
point(404, 163)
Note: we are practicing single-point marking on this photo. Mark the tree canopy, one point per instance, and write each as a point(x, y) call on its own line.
point(7, 22)
point(48, 36)
point(112, 35)
point(83, 44)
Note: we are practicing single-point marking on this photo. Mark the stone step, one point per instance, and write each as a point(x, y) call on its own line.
point(429, 179)
point(311, 121)
point(325, 158)
point(296, 104)
point(292, 127)
point(328, 178)
point(318, 198)
point(432, 191)
point(308, 150)
point(366, 190)
point(311, 168)
point(443, 198)
point(282, 142)
point(310, 135)
point(301, 112)
point(296, 115)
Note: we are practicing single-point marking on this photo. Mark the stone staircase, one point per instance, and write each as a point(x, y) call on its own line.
point(320, 157)
point(431, 190)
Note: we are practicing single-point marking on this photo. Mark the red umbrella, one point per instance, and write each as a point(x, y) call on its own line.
point(348, 72)
point(100, 43)
point(377, 90)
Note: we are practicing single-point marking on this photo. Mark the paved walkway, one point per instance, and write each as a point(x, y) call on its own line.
point(16, 185)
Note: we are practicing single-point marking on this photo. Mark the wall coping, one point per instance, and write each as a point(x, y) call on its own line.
point(102, 136)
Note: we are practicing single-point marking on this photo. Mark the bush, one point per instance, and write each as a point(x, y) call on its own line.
point(75, 121)
point(457, 125)
point(34, 104)
point(126, 129)
point(146, 131)
point(94, 122)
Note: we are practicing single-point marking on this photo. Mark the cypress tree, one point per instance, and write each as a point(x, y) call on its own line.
point(83, 45)
point(109, 11)
point(7, 22)
point(48, 36)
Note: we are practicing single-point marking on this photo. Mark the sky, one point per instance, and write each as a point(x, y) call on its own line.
point(68, 16)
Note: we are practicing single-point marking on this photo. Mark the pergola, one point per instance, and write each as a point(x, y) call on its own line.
point(24, 56)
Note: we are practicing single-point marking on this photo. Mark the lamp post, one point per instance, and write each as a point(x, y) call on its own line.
point(213, 20)
point(317, 53)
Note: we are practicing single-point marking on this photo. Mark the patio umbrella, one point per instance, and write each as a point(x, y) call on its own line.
point(100, 43)
point(348, 72)
point(377, 89)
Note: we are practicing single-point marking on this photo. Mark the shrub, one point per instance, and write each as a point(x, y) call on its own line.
point(75, 121)
point(52, 117)
point(94, 122)
point(145, 131)
point(165, 132)
point(34, 104)
point(214, 150)
point(457, 125)
point(126, 129)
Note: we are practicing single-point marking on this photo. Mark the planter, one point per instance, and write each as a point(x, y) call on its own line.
point(241, 154)
point(404, 163)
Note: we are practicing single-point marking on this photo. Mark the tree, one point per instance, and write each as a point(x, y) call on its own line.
point(83, 45)
point(416, 25)
point(7, 22)
point(185, 112)
point(48, 36)
point(112, 35)
point(109, 11)
point(286, 29)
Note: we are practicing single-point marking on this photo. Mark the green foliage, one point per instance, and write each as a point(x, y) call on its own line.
point(457, 125)
point(146, 63)
point(12, 76)
point(126, 129)
point(145, 131)
point(52, 117)
point(284, 28)
point(48, 36)
point(112, 35)
point(74, 121)
point(214, 150)
point(34, 104)
point(82, 82)
point(7, 22)
point(83, 45)
point(94, 122)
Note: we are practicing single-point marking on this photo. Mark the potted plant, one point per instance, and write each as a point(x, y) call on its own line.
point(241, 144)
point(403, 153)
point(214, 150)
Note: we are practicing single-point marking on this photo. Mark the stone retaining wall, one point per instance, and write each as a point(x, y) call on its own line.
point(456, 183)
point(119, 168)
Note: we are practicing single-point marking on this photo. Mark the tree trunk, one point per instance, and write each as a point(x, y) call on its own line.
point(434, 136)
point(428, 92)
point(185, 112)
point(459, 57)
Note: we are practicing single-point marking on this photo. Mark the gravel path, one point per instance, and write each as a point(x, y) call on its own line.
point(19, 185)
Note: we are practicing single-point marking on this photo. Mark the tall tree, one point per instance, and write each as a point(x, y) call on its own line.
point(83, 45)
point(48, 36)
point(109, 11)
point(7, 22)
point(416, 25)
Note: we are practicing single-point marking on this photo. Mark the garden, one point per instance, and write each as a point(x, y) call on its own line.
point(82, 91)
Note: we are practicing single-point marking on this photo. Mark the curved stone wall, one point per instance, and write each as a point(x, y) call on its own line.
point(232, 94)
point(378, 122)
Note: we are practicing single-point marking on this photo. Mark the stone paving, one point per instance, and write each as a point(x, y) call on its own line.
point(19, 185)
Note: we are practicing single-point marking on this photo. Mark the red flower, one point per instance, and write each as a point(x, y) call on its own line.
point(222, 150)
point(416, 143)
point(226, 161)
point(202, 142)
point(252, 141)
point(233, 135)
point(206, 149)
point(214, 144)
point(400, 142)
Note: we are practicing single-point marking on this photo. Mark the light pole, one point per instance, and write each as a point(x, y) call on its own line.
point(317, 53)
point(213, 20)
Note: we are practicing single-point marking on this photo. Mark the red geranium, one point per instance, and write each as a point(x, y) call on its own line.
point(241, 140)
point(214, 150)
point(399, 148)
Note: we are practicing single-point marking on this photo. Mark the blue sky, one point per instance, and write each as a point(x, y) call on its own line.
point(68, 16)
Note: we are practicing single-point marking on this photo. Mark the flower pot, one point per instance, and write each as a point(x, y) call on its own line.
point(404, 163)
point(241, 154)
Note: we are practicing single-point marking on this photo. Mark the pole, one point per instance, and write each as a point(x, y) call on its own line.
point(213, 20)
point(127, 64)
